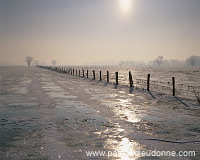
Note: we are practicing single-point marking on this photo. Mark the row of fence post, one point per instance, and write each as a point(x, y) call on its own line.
point(117, 78)
point(78, 72)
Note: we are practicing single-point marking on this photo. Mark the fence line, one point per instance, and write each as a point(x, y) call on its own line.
point(110, 77)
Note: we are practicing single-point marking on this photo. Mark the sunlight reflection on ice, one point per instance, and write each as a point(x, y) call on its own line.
point(124, 108)
point(124, 148)
point(130, 116)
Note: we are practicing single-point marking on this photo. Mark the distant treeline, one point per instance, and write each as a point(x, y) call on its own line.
point(191, 61)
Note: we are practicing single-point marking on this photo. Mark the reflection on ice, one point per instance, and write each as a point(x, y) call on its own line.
point(124, 101)
point(98, 133)
point(127, 148)
point(130, 116)
point(122, 147)
point(60, 95)
point(125, 109)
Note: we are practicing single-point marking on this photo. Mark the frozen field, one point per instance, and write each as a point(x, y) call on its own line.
point(46, 115)
point(187, 79)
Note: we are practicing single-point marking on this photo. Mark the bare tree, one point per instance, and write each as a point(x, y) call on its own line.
point(53, 62)
point(193, 61)
point(28, 60)
point(159, 60)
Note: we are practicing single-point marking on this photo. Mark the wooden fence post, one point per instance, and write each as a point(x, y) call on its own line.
point(173, 84)
point(79, 73)
point(87, 73)
point(73, 71)
point(93, 74)
point(76, 72)
point(83, 73)
point(116, 75)
point(107, 76)
point(148, 82)
point(130, 79)
point(100, 76)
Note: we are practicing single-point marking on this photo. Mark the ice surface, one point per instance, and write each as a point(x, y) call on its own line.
point(48, 115)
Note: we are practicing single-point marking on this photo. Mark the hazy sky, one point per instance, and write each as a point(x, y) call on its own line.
point(90, 31)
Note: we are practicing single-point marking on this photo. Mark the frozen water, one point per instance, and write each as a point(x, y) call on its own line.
point(48, 115)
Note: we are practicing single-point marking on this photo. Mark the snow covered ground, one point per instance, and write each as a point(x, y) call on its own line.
point(47, 115)
point(187, 79)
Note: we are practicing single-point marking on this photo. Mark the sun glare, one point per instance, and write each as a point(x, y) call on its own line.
point(125, 5)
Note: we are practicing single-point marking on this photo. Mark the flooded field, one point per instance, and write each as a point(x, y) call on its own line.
point(46, 115)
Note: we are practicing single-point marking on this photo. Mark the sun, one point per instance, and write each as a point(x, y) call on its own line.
point(125, 5)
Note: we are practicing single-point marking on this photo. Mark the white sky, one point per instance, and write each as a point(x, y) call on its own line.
point(76, 32)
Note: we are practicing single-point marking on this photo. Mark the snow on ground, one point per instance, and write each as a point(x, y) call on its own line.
point(48, 115)
point(187, 79)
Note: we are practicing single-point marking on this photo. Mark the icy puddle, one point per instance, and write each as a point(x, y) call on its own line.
point(93, 131)
point(165, 122)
